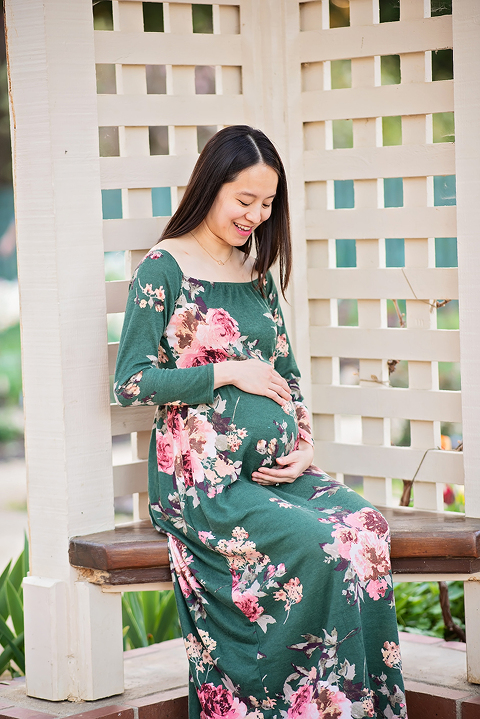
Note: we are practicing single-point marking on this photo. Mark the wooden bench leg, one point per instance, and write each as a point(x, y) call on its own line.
point(73, 648)
point(472, 622)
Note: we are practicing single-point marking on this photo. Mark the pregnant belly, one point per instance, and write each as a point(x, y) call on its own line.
point(260, 429)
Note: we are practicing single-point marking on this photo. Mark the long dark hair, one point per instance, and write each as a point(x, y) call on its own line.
point(225, 155)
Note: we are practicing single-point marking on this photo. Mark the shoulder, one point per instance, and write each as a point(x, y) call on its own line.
point(157, 267)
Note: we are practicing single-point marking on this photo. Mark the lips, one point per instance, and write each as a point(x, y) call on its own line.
point(244, 229)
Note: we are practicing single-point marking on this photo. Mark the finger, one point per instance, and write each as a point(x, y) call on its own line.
point(276, 473)
point(280, 389)
point(275, 396)
point(278, 379)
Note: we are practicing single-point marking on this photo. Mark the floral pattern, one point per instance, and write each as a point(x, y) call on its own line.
point(284, 593)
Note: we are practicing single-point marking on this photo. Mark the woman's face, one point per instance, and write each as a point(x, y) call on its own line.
point(243, 205)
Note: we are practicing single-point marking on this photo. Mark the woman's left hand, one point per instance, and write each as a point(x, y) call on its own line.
point(288, 467)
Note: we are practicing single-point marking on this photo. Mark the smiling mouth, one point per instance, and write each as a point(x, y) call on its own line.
point(242, 227)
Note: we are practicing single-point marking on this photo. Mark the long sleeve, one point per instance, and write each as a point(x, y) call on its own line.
point(146, 371)
point(284, 362)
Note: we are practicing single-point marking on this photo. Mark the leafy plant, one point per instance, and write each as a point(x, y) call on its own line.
point(12, 658)
point(148, 618)
point(419, 611)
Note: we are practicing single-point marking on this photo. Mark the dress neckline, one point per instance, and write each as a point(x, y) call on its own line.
point(196, 279)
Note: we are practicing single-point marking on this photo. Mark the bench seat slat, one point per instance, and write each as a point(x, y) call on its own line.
point(417, 533)
point(422, 542)
point(131, 546)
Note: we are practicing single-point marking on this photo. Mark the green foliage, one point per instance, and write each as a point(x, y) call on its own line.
point(12, 656)
point(418, 607)
point(149, 618)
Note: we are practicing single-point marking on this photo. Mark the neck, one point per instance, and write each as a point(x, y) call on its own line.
point(215, 247)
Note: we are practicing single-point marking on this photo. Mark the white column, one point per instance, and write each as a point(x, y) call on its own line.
point(64, 344)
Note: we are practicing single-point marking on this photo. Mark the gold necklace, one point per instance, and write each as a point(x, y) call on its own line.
point(219, 262)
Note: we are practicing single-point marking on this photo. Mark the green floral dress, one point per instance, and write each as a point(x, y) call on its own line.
point(284, 593)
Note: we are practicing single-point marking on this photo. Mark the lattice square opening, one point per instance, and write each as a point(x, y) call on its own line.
point(156, 79)
point(344, 194)
point(339, 11)
point(394, 252)
point(153, 17)
point(348, 313)
point(446, 252)
point(341, 74)
point(112, 204)
point(342, 132)
point(440, 7)
point(204, 133)
point(447, 316)
point(392, 130)
point(442, 65)
point(389, 10)
point(161, 201)
point(349, 371)
point(390, 70)
point(158, 140)
point(103, 15)
point(443, 125)
point(398, 374)
point(400, 433)
point(202, 18)
point(106, 79)
point(396, 313)
point(452, 434)
point(393, 192)
point(346, 253)
point(108, 142)
point(449, 377)
point(204, 80)
point(444, 190)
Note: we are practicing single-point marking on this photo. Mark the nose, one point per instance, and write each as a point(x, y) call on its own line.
point(254, 214)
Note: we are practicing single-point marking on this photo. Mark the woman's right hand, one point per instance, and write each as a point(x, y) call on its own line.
point(253, 376)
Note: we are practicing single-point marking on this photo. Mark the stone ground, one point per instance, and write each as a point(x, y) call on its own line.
point(432, 668)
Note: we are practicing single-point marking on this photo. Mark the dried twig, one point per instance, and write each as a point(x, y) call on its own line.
point(447, 614)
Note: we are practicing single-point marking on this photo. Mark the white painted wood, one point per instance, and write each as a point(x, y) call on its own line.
point(410, 403)
point(390, 222)
point(174, 109)
point(381, 283)
point(131, 419)
point(424, 577)
point(138, 48)
point(60, 259)
point(147, 171)
point(132, 234)
point(392, 343)
point(372, 162)
point(390, 38)
point(399, 462)
point(387, 100)
point(466, 22)
point(45, 603)
point(100, 650)
point(130, 478)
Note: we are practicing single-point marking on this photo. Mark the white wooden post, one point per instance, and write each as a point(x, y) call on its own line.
point(466, 43)
point(71, 651)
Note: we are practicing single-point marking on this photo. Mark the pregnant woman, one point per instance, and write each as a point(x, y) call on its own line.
point(281, 574)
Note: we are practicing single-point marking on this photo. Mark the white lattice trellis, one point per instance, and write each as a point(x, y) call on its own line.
point(275, 64)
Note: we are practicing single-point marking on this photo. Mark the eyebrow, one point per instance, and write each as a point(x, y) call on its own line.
point(251, 194)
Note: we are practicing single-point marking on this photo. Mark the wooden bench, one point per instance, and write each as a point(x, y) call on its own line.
point(423, 542)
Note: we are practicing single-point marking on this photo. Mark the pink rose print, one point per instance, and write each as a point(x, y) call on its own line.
point(248, 604)
point(219, 703)
point(369, 557)
point(164, 453)
point(302, 705)
point(391, 655)
point(197, 355)
point(219, 329)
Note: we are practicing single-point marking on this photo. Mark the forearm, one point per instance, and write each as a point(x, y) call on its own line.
point(153, 385)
